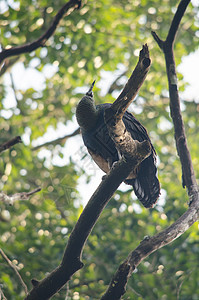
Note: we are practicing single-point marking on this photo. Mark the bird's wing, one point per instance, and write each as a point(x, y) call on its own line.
point(146, 185)
point(137, 130)
point(103, 151)
point(98, 140)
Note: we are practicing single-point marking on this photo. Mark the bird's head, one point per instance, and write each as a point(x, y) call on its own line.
point(86, 112)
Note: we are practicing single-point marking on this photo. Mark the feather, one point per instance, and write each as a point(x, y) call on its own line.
point(103, 151)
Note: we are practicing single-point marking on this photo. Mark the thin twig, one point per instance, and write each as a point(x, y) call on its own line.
point(40, 42)
point(13, 86)
point(135, 292)
point(176, 21)
point(8, 63)
point(10, 143)
point(15, 270)
point(2, 294)
point(17, 197)
point(58, 141)
point(67, 290)
point(178, 290)
point(114, 84)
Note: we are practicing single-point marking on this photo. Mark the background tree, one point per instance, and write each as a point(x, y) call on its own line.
point(100, 37)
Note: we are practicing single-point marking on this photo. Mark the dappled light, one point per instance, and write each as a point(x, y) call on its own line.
point(47, 175)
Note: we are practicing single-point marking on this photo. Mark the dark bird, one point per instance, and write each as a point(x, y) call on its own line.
point(101, 147)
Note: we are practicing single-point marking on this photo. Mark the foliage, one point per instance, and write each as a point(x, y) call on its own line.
point(100, 41)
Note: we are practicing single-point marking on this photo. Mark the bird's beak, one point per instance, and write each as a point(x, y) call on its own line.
point(90, 91)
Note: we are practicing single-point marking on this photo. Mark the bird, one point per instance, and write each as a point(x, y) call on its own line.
point(102, 149)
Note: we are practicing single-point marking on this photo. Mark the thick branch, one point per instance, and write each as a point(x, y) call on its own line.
point(189, 179)
point(10, 143)
point(121, 137)
point(134, 83)
point(71, 261)
point(134, 153)
point(113, 115)
point(40, 42)
point(149, 245)
point(118, 284)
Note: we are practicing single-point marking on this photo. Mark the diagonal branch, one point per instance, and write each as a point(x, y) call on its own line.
point(71, 261)
point(2, 295)
point(188, 175)
point(119, 281)
point(40, 42)
point(17, 197)
point(149, 245)
point(113, 115)
point(134, 83)
point(58, 140)
point(8, 63)
point(10, 143)
point(176, 22)
point(15, 270)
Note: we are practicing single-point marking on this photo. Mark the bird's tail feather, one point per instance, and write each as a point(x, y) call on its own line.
point(146, 185)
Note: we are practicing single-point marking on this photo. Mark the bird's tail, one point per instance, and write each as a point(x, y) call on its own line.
point(146, 185)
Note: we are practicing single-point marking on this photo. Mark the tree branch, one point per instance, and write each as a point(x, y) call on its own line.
point(8, 63)
point(113, 115)
point(135, 81)
point(133, 156)
point(189, 179)
point(58, 141)
point(13, 87)
point(15, 270)
point(40, 42)
point(176, 22)
point(2, 294)
point(114, 85)
point(71, 261)
point(150, 244)
point(17, 197)
point(10, 143)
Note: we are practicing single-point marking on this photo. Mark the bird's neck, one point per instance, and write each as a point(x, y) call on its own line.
point(87, 114)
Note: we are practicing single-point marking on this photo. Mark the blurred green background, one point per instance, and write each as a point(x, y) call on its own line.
point(39, 92)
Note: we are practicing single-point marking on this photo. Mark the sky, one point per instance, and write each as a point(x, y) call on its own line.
point(190, 70)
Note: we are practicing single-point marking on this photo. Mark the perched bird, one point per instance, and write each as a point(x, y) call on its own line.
point(101, 147)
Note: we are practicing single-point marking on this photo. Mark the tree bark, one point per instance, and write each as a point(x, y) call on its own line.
point(134, 153)
point(117, 286)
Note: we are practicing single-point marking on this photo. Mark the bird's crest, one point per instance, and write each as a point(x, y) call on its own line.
point(90, 91)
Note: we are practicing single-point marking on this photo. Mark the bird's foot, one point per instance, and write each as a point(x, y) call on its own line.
point(104, 177)
point(114, 164)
